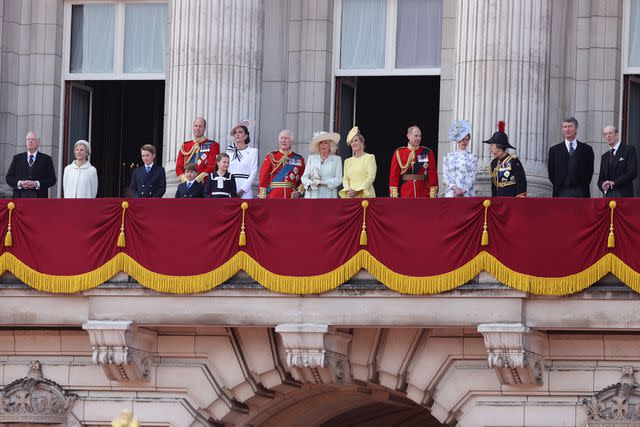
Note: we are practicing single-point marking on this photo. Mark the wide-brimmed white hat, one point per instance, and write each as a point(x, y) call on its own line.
point(246, 123)
point(318, 137)
point(458, 130)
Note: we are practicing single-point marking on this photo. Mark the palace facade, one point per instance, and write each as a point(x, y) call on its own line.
point(123, 73)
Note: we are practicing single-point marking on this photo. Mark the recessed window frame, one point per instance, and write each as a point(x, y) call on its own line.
point(118, 46)
point(389, 51)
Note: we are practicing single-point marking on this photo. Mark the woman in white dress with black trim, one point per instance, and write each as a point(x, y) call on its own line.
point(459, 166)
point(244, 159)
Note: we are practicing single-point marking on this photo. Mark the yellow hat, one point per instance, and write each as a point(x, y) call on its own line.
point(352, 133)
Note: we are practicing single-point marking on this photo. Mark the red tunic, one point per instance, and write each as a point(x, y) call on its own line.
point(280, 175)
point(413, 173)
point(202, 153)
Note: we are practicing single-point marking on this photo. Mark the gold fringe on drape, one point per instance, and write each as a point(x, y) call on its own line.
point(401, 283)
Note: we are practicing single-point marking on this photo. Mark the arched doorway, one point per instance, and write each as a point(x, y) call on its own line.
point(343, 405)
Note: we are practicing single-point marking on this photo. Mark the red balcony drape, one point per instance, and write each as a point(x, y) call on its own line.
point(423, 246)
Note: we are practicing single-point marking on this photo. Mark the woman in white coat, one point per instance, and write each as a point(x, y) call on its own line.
point(80, 179)
point(323, 170)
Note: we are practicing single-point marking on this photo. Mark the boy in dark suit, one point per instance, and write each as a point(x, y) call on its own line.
point(31, 173)
point(148, 180)
point(190, 188)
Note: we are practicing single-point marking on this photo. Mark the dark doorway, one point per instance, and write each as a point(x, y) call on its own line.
point(631, 127)
point(124, 115)
point(385, 107)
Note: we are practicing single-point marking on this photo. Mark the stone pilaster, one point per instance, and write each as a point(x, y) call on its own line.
point(30, 71)
point(215, 68)
point(502, 72)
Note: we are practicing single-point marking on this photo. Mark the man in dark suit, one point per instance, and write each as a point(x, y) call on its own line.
point(31, 174)
point(191, 188)
point(148, 180)
point(571, 164)
point(618, 166)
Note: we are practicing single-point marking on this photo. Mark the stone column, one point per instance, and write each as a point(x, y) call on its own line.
point(502, 73)
point(215, 67)
point(30, 63)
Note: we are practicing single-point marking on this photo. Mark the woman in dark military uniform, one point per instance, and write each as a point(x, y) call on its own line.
point(507, 174)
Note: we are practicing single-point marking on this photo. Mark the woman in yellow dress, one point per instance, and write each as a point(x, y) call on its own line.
point(359, 170)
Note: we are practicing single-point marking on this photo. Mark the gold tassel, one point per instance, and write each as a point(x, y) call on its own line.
point(122, 242)
point(363, 233)
point(8, 239)
point(485, 234)
point(611, 240)
point(242, 241)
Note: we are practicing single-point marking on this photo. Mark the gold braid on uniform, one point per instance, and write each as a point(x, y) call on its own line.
point(410, 160)
point(195, 148)
point(276, 164)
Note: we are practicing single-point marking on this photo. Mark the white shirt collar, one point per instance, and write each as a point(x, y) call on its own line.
point(574, 142)
point(615, 148)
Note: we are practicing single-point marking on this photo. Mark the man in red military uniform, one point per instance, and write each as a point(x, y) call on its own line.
point(413, 169)
point(200, 151)
point(281, 171)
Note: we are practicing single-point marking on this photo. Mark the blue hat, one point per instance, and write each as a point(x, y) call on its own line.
point(458, 130)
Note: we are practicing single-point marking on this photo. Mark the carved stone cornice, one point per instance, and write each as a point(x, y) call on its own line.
point(617, 405)
point(34, 399)
point(123, 350)
point(515, 351)
point(316, 353)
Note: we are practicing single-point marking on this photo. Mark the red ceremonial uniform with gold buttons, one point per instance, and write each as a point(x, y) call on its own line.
point(202, 153)
point(413, 173)
point(280, 175)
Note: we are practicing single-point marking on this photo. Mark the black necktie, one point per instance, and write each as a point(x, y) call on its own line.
point(613, 153)
point(572, 150)
point(30, 160)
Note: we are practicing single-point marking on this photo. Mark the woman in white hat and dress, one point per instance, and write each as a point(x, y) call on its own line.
point(459, 166)
point(243, 163)
point(323, 170)
point(80, 179)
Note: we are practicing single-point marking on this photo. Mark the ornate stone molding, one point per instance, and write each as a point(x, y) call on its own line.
point(617, 405)
point(316, 354)
point(515, 352)
point(123, 350)
point(34, 399)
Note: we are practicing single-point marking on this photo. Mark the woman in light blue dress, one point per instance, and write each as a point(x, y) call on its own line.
point(323, 170)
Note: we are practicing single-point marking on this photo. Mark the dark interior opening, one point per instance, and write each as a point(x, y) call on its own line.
point(385, 107)
point(125, 115)
point(630, 132)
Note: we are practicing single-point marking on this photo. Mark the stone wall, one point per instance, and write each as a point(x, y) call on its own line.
point(30, 78)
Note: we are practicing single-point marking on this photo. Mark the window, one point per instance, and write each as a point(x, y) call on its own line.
point(92, 36)
point(363, 33)
point(419, 33)
point(115, 40)
point(634, 34)
point(386, 37)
